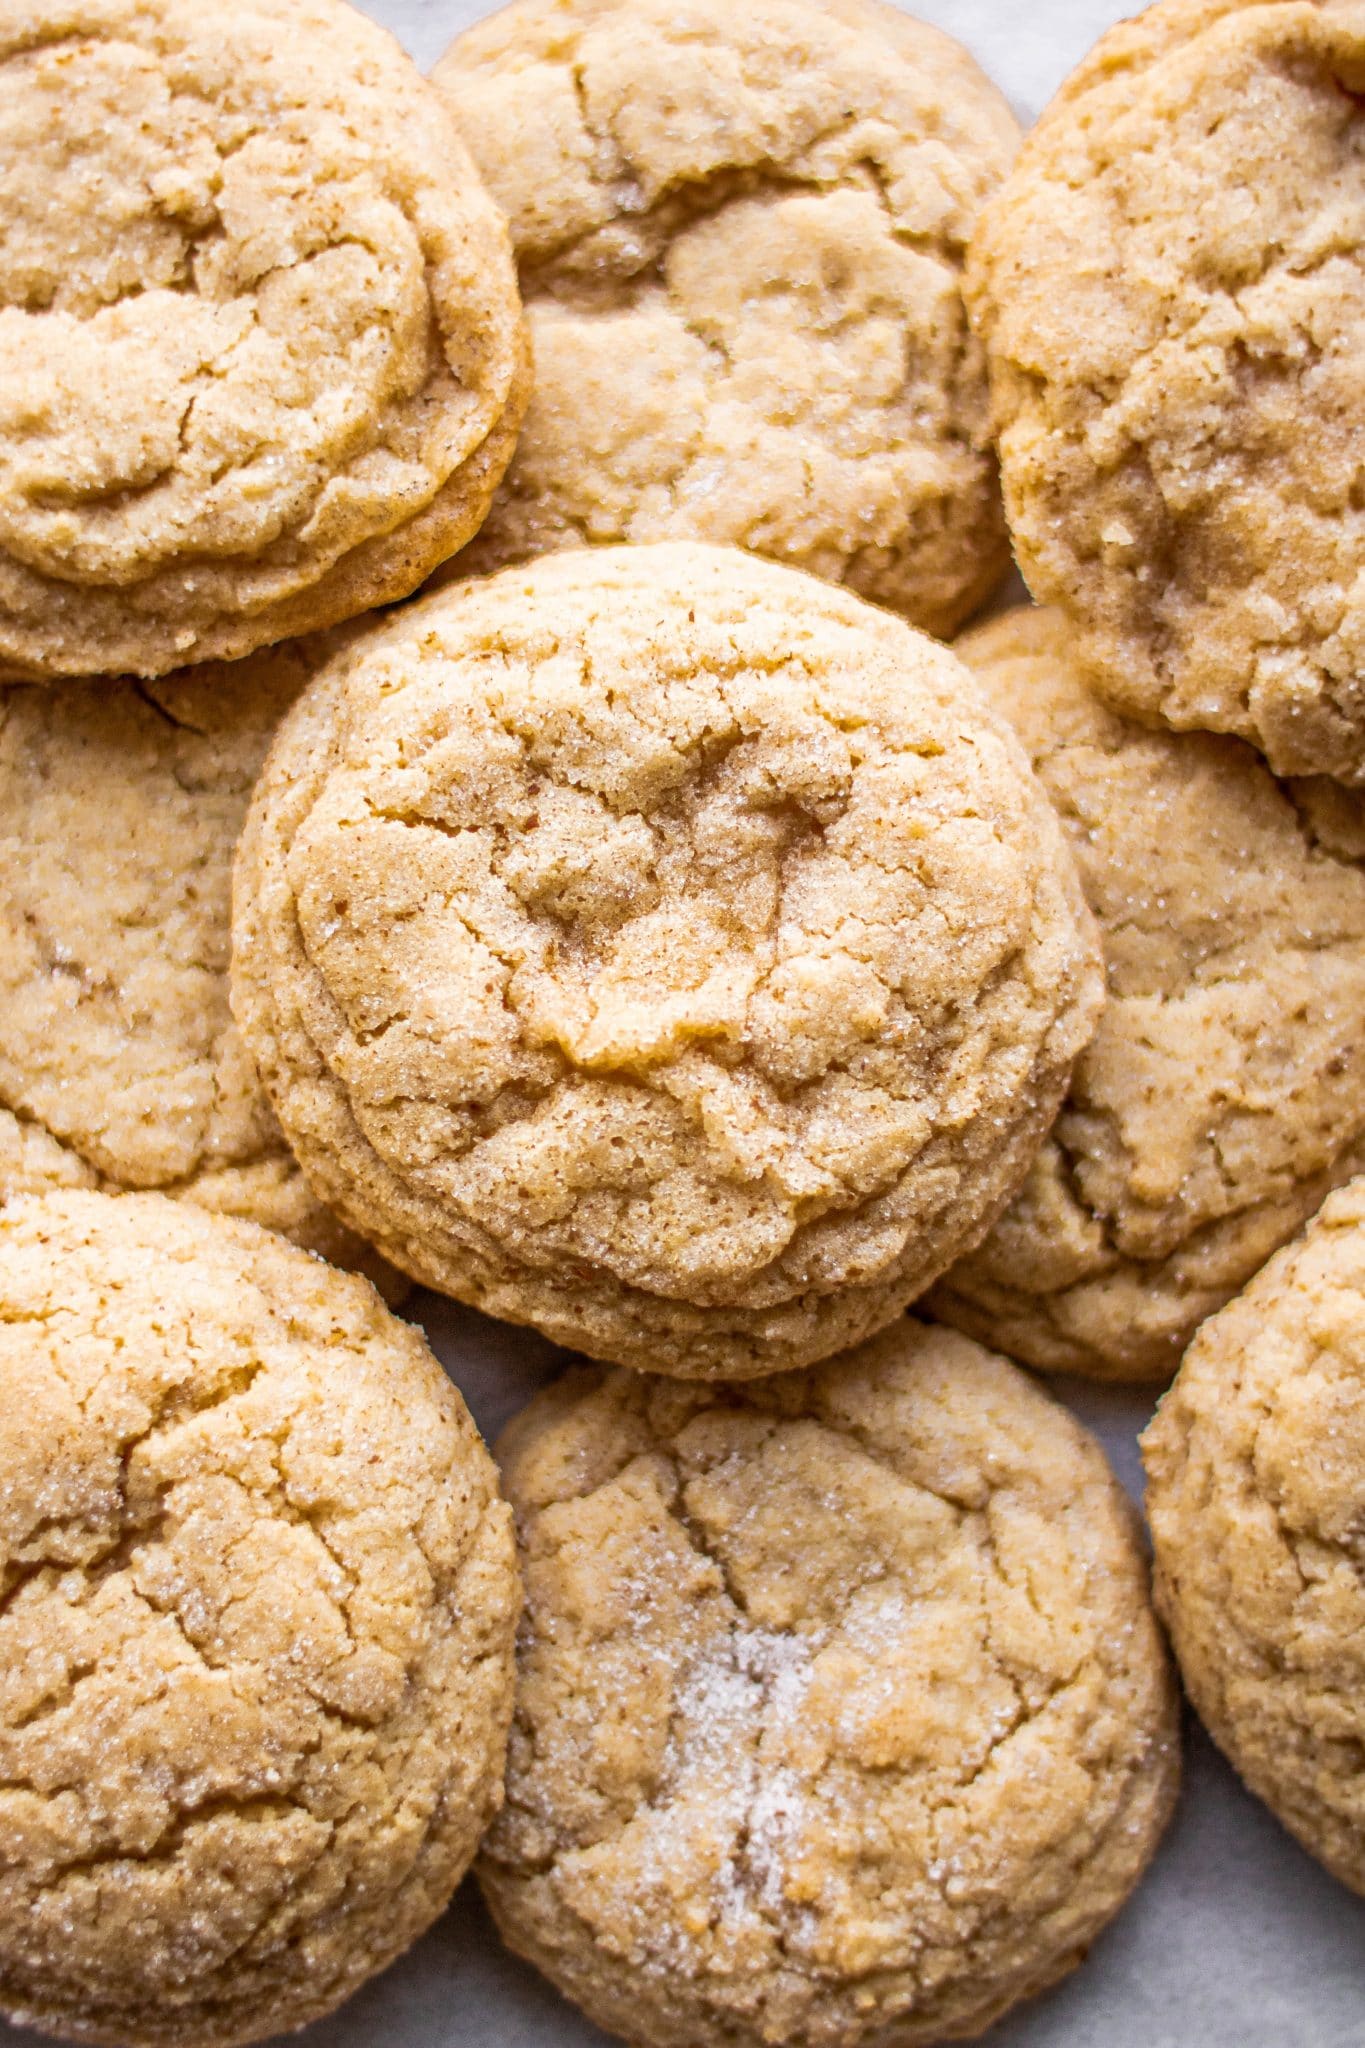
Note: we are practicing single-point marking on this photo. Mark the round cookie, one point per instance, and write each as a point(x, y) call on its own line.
point(842, 1715)
point(261, 353)
point(741, 233)
point(1256, 1493)
point(120, 1065)
point(1172, 294)
point(258, 1600)
point(662, 948)
point(1223, 1095)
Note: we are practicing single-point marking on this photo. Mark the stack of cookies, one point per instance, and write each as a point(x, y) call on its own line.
point(650, 932)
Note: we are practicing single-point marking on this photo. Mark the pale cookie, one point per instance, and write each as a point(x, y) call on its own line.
point(1171, 287)
point(120, 1066)
point(662, 948)
point(1223, 1095)
point(741, 232)
point(258, 1598)
point(1256, 1492)
point(842, 1717)
point(261, 352)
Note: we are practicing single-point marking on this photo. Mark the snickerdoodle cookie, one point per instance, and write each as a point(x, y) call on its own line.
point(1256, 1491)
point(261, 351)
point(663, 948)
point(1223, 1095)
point(1171, 287)
point(842, 1717)
point(741, 234)
point(120, 1066)
point(258, 1597)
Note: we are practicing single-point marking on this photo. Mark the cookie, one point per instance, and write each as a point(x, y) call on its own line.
point(1256, 1492)
point(120, 1066)
point(662, 948)
point(842, 1715)
point(261, 351)
point(258, 1596)
point(1223, 1095)
point(740, 233)
point(1171, 291)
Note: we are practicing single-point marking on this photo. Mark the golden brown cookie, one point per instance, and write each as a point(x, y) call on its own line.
point(1172, 294)
point(261, 353)
point(1224, 1092)
point(120, 1066)
point(662, 948)
point(258, 1597)
point(1256, 1492)
point(842, 1716)
point(741, 233)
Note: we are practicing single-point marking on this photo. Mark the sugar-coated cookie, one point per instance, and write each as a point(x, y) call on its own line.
point(741, 233)
point(261, 351)
point(120, 1066)
point(1171, 287)
point(842, 1716)
point(663, 948)
point(258, 1596)
point(1223, 1095)
point(1256, 1493)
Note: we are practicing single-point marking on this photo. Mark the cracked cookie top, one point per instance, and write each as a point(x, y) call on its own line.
point(1256, 1493)
point(261, 358)
point(120, 1065)
point(663, 948)
point(1172, 294)
point(842, 1717)
point(740, 232)
point(1223, 1094)
point(257, 1603)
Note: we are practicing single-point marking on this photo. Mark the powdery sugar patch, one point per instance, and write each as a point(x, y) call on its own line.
point(732, 1803)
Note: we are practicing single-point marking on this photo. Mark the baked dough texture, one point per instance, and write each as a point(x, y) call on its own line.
point(842, 1717)
point(1223, 1095)
point(1255, 1491)
point(1171, 288)
point(261, 350)
point(120, 1065)
point(741, 232)
point(258, 1598)
point(662, 948)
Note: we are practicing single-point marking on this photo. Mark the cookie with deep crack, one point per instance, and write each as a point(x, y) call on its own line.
point(258, 1596)
point(663, 948)
point(1172, 292)
point(740, 233)
point(120, 1065)
point(1256, 1493)
point(261, 352)
point(1223, 1095)
point(842, 1715)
